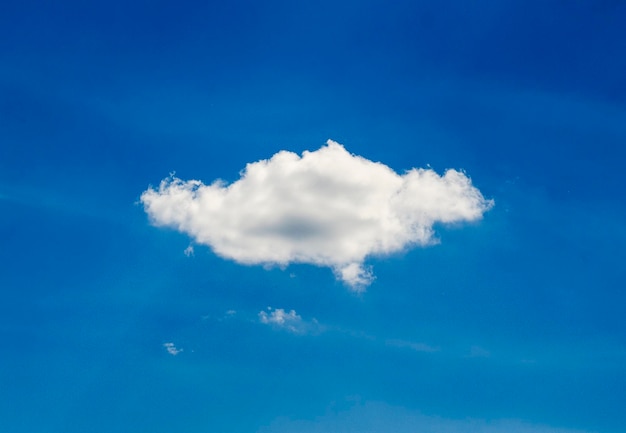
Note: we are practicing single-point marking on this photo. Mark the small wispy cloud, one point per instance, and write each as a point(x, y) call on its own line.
point(418, 347)
point(172, 349)
point(478, 352)
point(189, 251)
point(289, 321)
point(327, 207)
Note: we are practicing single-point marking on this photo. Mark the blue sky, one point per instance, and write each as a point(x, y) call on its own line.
point(513, 322)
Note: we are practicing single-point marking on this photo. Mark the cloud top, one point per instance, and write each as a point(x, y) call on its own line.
point(327, 207)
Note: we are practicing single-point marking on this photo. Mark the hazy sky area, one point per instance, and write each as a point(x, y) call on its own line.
point(298, 217)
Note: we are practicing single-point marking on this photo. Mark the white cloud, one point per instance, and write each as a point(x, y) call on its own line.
point(189, 251)
point(172, 349)
point(327, 208)
point(289, 321)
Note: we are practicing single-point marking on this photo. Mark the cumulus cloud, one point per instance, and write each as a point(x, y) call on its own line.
point(289, 321)
point(327, 207)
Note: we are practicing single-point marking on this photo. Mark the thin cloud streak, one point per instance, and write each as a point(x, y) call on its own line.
point(377, 417)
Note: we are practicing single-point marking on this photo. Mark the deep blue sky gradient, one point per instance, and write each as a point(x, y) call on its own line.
point(525, 309)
